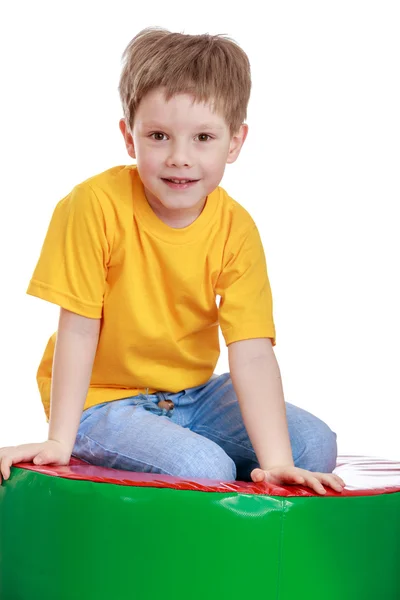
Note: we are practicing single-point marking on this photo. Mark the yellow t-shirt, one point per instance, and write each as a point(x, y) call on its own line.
point(107, 255)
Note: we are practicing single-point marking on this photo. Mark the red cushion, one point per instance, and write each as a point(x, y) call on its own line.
point(363, 475)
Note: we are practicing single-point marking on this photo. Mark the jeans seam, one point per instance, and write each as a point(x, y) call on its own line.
point(115, 453)
point(222, 439)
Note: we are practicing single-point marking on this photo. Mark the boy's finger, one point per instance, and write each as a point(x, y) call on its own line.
point(8, 461)
point(257, 475)
point(43, 458)
point(5, 467)
point(316, 486)
point(340, 480)
point(337, 485)
point(289, 478)
point(333, 482)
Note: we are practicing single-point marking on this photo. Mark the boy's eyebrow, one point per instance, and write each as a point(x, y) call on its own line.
point(154, 124)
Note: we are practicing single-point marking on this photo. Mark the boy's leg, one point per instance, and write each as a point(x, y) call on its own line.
point(219, 419)
point(135, 435)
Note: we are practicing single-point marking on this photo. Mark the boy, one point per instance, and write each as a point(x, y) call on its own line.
point(135, 257)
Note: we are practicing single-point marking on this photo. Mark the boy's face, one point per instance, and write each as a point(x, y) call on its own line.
point(178, 139)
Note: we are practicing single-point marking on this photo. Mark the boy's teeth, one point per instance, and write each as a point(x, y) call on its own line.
point(180, 180)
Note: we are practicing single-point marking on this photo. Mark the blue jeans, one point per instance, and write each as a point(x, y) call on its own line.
point(202, 436)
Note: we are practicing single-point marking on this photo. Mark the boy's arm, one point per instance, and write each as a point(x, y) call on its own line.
point(75, 349)
point(76, 344)
point(257, 382)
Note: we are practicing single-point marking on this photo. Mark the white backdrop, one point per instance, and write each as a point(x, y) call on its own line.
point(319, 172)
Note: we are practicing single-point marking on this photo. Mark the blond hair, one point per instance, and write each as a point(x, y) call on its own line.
point(212, 68)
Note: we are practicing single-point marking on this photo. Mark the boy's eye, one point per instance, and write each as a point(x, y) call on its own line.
point(157, 133)
point(158, 136)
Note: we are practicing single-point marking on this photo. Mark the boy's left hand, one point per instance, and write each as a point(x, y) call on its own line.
point(293, 475)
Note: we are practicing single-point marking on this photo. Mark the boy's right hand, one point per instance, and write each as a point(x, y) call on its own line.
point(50, 452)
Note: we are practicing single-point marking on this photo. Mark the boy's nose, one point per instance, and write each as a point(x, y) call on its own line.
point(179, 157)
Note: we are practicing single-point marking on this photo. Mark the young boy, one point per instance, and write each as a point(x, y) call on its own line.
point(135, 257)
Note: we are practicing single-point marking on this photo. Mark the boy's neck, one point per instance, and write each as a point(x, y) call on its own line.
point(177, 221)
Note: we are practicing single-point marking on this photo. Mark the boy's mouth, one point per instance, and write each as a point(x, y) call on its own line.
point(180, 183)
point(178, 179)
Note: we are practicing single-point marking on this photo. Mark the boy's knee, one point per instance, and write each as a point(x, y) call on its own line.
point(320, 451)
point(328, 446)
point(215, 464)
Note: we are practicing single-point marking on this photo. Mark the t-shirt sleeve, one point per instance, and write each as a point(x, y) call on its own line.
point(246, 309)
point(72, 266)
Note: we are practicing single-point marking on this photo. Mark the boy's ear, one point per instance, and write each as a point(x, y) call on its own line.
point(127, 138)
point(237, 142)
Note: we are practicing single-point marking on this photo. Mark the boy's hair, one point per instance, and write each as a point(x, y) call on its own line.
point(212, 68)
